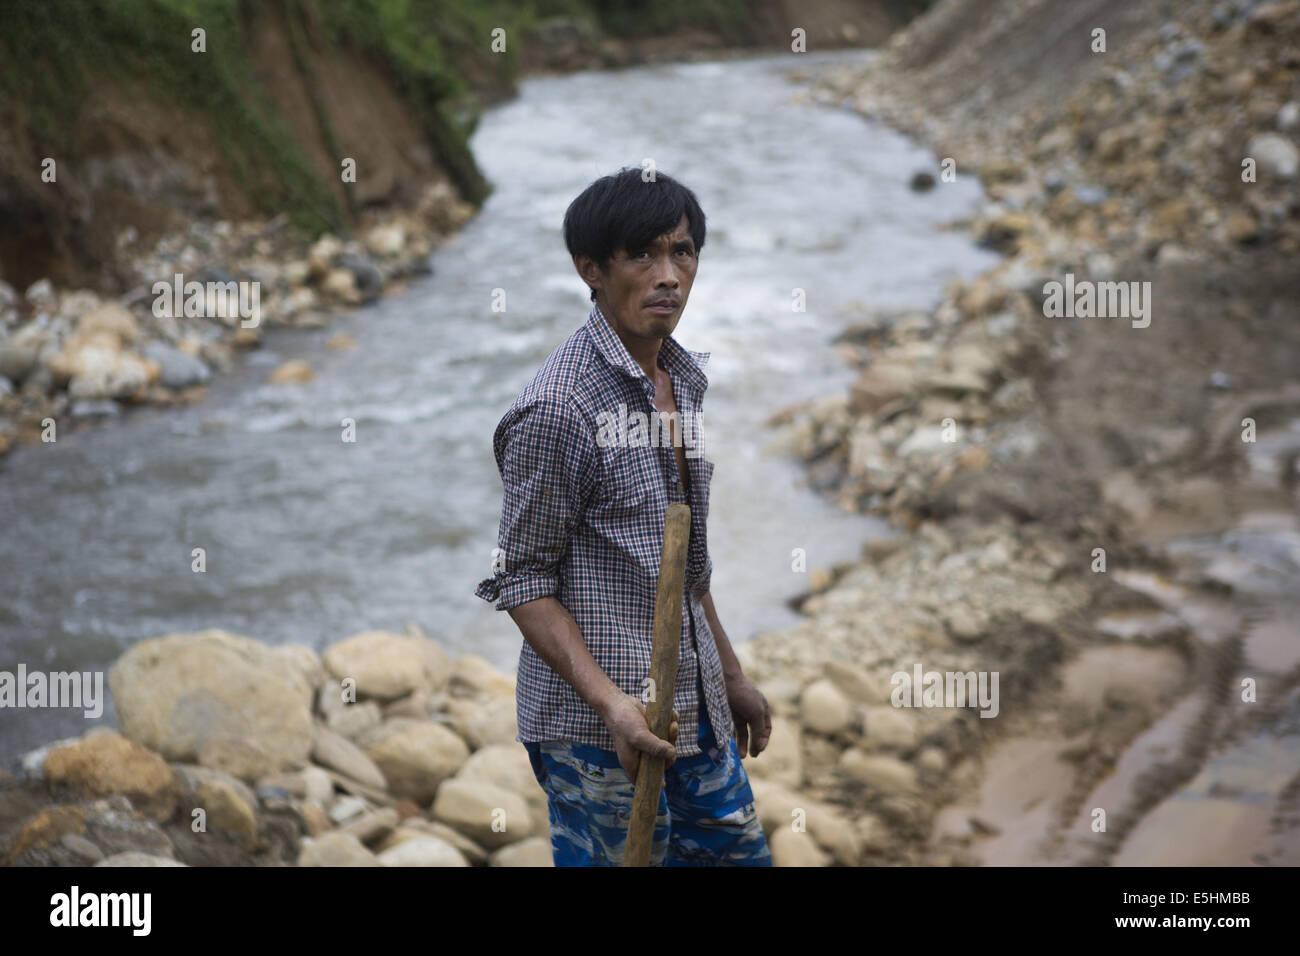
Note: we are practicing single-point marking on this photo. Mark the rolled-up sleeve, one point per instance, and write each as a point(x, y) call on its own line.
point(547, 457)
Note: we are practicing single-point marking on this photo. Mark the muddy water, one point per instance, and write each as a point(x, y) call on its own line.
point(310, 540)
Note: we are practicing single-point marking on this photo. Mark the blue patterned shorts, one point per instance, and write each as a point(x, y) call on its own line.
point(706, 808)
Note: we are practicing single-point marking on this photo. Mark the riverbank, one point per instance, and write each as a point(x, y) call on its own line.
point(80, 356)
point(369, 127)
point(381, 751)
point(1101, 511)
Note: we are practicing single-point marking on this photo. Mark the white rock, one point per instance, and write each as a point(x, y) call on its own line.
point(887, 774)
point(1275, 155)
point(823, 708)
point(336, 849)
point(790, 848)
point(489, 815)
point(423, 851)
point(388, 666)
point(535, 851)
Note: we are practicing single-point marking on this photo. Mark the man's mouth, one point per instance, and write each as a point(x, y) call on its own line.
point(665, 306)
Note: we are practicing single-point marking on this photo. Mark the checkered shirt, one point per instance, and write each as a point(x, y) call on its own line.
point(582, 520)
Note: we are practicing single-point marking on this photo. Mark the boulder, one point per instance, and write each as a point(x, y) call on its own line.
point(336, 849)
point(489, 815)
point(106, 762)
point(175, 694)
point(824, 709)
point(423, 850)
point(335, 751)
point(387, 666)
point(535, 851)
point(415, 756)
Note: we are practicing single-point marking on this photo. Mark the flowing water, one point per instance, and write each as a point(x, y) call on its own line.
point(310, 539)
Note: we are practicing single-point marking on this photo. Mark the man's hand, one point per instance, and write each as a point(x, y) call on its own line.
point(625, 717)
point(751, 715)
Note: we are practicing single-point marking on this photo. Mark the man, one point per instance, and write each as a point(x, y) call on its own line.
point(579, 543)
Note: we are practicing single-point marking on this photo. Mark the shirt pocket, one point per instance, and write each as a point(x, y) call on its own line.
point(625, 482)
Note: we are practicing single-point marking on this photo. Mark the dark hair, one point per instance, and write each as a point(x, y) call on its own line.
point(620, 211)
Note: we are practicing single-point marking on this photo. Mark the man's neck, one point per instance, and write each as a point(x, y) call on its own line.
point(645, 352)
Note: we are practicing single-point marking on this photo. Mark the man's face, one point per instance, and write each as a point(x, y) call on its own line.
point(645, 290)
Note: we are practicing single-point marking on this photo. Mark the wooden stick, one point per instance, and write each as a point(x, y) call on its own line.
point(663, 674)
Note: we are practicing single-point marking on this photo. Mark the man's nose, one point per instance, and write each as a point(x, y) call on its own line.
point(665, 274)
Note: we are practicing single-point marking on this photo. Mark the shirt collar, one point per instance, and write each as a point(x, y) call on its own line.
point(687, 364)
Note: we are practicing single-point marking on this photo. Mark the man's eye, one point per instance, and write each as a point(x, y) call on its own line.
point(640, 255)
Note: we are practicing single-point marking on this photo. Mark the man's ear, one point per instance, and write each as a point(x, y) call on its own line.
point(588, 270)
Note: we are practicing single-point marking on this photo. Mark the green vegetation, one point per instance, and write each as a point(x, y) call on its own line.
point(53, 53)
point(57, 50)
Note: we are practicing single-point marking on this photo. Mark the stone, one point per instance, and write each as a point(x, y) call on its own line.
point(175, 694)
point(1241, 226)
point(880, 383)
point(333, 750)
point(347, 808)
point(177, 369)
point(20, 352)
point(824, 708)
point(82, 847)
point(423, 850)
point(535, 851)
point(1275, 155)
point(304, 660)
point(484, 722)
point(336, 849)
point(320, 258)
point(104, 763)
point(41, 294)
point(292, 372)
point(782, 760)
point(418, 826)
point(386, 241)
point(890, 728)
point(506, 766)
point(387, 666)
point(792, 848)
point(227, 803)
point(137, 858)
point(932, 759)
point(473, 675)
point(372, 827)
point(367, 280)
point(342, 285)
point(313, 817)
point(489, 815)
point(245, 759)
point(853, 681)
point(888, 775)
point(45, 828)
point(415, 756)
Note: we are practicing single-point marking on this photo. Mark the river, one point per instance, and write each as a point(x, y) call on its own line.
point(310, 539)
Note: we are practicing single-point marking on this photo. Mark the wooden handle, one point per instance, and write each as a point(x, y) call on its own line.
point(663, 672)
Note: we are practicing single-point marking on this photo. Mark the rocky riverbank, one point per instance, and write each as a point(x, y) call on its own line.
point(73, 356)
point(382, 751)
point(1102, 512)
